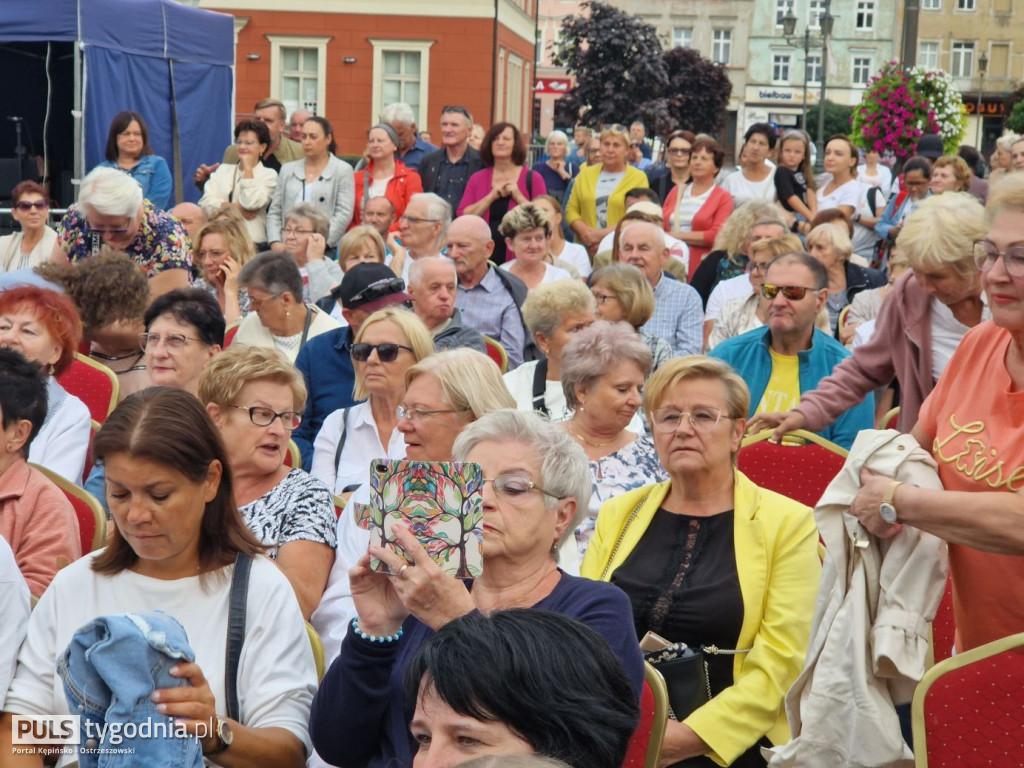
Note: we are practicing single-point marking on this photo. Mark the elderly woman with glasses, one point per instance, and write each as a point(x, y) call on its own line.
point(623, 294)
point(111, 211)
point(33, 245)
point(221, 248)
point(388, 343)
point(305, 240)
point(536, 485)
point(280, 317)
point(255, 397)
point(712, 560)
point(830, 244)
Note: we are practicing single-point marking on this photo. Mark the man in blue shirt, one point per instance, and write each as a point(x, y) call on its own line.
point(411, 148)
point(325, 362)
point(789, 356)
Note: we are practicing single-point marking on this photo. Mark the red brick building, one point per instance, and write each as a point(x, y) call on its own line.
point(346, 59)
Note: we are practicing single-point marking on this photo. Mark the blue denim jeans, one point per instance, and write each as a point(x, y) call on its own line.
point(109, 670)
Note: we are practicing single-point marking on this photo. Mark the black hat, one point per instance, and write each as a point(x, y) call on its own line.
point(370, 287)
point(930, 146)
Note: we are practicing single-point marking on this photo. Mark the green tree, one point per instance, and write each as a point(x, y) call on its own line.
point(698, 91)
point(838, 119)
point(616, 58)
point(1015, 122)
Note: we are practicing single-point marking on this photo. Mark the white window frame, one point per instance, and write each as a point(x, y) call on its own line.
point(782, 64)
point(679, 33)
point(934, 49)
point(814, 10)
point(966, 6)
point(963, 49)
point(514, 71)
point(866, 11)
point(781, 8)
point(816, 58)
point(277, 42)
point(931, 5)
point(499, 99)
point(867, 66)
point(382, 46)
point(721, 39)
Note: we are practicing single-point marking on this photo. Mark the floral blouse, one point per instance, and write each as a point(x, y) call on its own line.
point(162, 244)
point(632, 466)
point(299, 508)
point(243, 295)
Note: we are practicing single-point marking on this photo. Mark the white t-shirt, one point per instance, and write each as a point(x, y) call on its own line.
point(606, 184)
point(576, 254)
point(743, 189)
point(947, 332)
point(362, 445)
point(686, 208)
point(738, 287)
point(378, 187)
point(15, 608)
point(63, 441)
point(276, 672)
point(551, 272)
point(864, 238)
point(848, 194)
point(883, 180)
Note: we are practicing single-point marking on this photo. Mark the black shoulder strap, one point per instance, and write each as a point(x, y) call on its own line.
point(540, 383)
point(873, 200)
point(529, 184)
point(341, 441)
point(236, 630)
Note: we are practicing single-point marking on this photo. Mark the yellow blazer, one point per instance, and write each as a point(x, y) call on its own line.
point(777, 560)
point(583, 200)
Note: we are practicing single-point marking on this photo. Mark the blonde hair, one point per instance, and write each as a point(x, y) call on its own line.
point(240, 364)
point(630, 288)
point(776, 246)
point(356, 237)
point(834, 235)
point(236, 238)
point(469, 380)
point(942, 231)
point(524, 218)
point(416, 334)
point(548, 304)
point(1007, 195)
point(616, 131)
point(961, 171)
point(732, 237)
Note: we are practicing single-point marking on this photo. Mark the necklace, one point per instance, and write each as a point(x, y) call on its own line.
point(582, 439)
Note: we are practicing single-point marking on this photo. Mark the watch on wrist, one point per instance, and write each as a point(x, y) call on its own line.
point(887, 507)
point(224, 737)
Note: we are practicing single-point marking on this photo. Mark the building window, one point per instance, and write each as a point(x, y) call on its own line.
point(931, 5)
point(928, 56)
point(781, 7)
point(721, 46)
point(865, 14)
point(780, 68)
point(965, 5)
point(815, 8)
point(401, 72)
point(861, 71)
point(962, 60)
point(298, 67)
point(682, 37)
point(813, 66)
point(514, 90)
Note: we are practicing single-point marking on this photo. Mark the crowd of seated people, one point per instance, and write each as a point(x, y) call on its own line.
point(598, 326)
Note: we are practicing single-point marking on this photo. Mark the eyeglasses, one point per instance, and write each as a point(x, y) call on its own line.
point(264, 417)
point(417, 219)
point(457, 110)
point(634, 145)
point(173, 341)
point(292, 231)
point(378, 290)
point(601, 298)
point(514, 487)
point(791, 292)
point(25, 205)
point(116, 231)
point(756, 268)
point(257, 304)
point(250, 143)
point(986, 254)
point(213, 254)
point(386, 353)
point(667, 420)
point(677, 151)
point(418, 414)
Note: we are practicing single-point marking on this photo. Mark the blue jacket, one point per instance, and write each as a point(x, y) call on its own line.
point(153, 176)
point(325, 362)
point(749, 354)
point(891, 215)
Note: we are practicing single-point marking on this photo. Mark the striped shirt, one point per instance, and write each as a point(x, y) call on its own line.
point(678, 316)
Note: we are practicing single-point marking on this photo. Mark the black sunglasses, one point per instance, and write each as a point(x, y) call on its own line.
point(791, 292)
point(386, 353)
point(378, 290)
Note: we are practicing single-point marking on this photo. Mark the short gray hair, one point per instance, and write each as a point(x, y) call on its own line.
point(595, 350)
point(547, 305)
point(564, 469)
point(399, 112)
point(437, 208)
point(316, 217)
point(275, 273)
point(417, 266)
point(110, 192)
point(556, 135)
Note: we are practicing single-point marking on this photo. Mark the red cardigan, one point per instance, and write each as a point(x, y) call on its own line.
point(709, 219)
point(403, 185)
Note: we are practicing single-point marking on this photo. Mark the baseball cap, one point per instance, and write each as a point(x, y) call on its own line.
point(371, 287)
point(930, 146)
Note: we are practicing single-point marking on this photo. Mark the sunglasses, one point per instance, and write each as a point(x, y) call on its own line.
point(386, 353)
point(791, 292)
point(457, 110)
point(25, 205)
point(378, 290)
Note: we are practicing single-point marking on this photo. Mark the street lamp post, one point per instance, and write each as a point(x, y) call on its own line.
point(825, 21)
point(982, 69)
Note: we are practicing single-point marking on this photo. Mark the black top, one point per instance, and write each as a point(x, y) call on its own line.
point(713, 269)
point(789, 183)
point(495, 214)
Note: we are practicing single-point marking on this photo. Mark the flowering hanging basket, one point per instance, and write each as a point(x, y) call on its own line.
point(900, 106)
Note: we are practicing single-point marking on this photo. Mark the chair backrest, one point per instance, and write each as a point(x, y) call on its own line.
point(92, 520)
point(644, 748)
point(229, 334)
point(800, 467)
point(844, 313)
point(317, 646)
point(339, 505)
point(293, 458)
point(969, 709)
point(889, 420)
point(944, 626)
point(93, 384)
point(496, 352)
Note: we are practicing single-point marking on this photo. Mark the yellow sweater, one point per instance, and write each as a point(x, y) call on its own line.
point(583, 200)
point(779, 569)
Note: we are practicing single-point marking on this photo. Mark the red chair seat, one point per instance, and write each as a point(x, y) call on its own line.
point(801, 472)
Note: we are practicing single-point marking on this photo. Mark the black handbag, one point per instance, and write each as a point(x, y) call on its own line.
point(685, 671)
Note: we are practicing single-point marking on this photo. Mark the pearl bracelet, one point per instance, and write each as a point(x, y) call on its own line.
point(373, 639)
